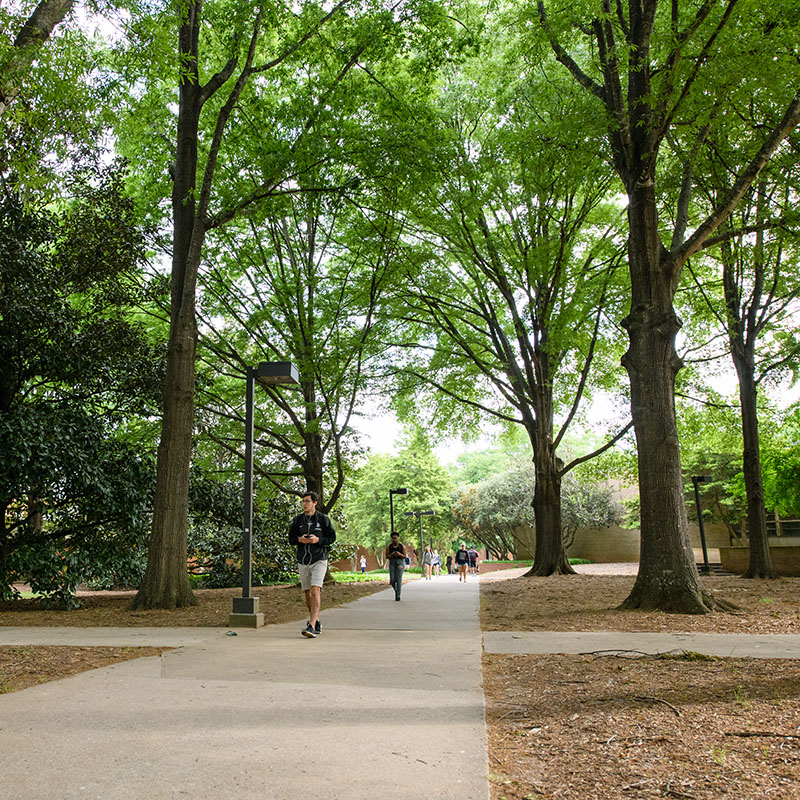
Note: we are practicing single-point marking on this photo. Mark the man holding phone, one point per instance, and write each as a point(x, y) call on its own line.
point(313, 534)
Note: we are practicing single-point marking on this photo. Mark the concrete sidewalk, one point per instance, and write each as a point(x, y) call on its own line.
point(386, 703)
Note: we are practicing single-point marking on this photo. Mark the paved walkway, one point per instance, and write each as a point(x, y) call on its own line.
point(387, 703)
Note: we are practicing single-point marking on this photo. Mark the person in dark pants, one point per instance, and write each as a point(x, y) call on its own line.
point(313, 534)
point(395, 555)
point(449, 565)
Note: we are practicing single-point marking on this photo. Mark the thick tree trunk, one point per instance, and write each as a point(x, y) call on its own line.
point(314, 469)
point(667, 578)
point(760, 560)
point(550, 558)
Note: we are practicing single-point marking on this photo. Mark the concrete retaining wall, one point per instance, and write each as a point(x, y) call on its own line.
point(785, 559)
point(610, 545)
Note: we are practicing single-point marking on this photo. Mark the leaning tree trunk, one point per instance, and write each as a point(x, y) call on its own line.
point(760, 560)
point(668, 578)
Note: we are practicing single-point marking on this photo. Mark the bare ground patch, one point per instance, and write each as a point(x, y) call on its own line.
point(589, 603)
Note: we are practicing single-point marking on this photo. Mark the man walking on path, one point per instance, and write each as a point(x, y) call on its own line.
point(313, 534)
point(395, 555)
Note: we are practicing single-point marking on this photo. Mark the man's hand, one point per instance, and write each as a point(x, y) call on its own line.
point(310, 538)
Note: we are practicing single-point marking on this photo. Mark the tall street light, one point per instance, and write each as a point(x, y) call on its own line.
point(419, 515)
point(268, 373)
point(392, 493)
point(697, 479)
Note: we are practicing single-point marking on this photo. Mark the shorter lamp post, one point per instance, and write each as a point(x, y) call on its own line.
point(419, 515)
point(392, 493)
point(696, 480)
point(269, 373)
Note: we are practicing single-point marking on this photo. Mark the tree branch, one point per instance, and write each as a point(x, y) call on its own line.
point(694, 243)
point(589, 456)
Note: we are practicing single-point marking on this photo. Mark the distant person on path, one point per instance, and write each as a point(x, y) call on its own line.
point(395, 555)
point(462, 562)
point(313, 534)
point(437, 562)
point(427, 561)
point(363, 565)
point(449, 563)
point(472, 553)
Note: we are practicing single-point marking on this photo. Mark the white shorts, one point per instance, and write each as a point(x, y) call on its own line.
point(312, 574)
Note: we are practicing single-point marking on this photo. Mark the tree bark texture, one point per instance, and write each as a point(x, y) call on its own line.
point(668, 578)
point(314, 463)
point(550, 557)
point(166, 579)
point(743, 332)
point(760, 565)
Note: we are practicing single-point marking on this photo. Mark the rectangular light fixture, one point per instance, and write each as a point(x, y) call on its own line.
point(276, 372)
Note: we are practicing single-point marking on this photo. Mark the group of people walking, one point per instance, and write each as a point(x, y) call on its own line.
point(431, 562)
point(465, 562)
point(312, 533)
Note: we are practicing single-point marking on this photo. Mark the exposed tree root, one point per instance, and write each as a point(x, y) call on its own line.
point(545, 570)
point(144, 601)
point(765, 574)
point(684, 599)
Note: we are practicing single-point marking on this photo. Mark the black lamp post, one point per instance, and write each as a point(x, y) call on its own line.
point(698, 479)
point(419, 515)
point(269, 373)
point(392, 493)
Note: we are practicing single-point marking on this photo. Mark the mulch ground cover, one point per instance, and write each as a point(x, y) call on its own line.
point(29, 665)
point(632, 726)
point(278, 603)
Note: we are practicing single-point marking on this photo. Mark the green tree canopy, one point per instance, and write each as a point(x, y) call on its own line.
point(429, 486)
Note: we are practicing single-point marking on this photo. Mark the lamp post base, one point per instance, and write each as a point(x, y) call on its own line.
point(245, 613)
point(245, 620)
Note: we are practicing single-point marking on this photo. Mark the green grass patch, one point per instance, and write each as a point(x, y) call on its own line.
point(359, 577)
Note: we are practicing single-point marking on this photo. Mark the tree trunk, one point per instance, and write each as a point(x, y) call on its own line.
point(667, 578)
point(166, 579)
point(760, 560)
point(743, 331)
point(550, 558)
point(314, 468)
